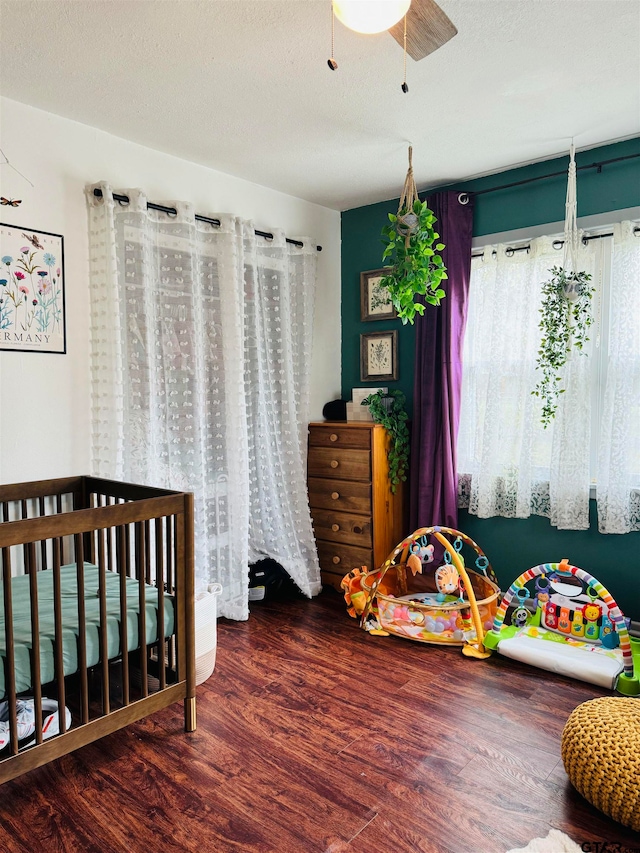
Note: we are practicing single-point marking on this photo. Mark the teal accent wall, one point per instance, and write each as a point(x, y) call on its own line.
point(512, 545)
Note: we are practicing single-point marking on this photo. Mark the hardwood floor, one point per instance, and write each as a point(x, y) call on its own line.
point(314, 737)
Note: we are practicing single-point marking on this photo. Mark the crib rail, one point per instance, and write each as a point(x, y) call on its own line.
point(144, 535)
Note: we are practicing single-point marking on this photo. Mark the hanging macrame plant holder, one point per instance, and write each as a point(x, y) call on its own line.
point(407, 222)
point(416, 271)
point(574, 287)
point(565, 310)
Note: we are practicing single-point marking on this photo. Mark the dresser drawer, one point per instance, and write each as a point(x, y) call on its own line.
point(342, 527)
point(339, 464)
point(337, 558)
point(339, 495)
point(336, 435)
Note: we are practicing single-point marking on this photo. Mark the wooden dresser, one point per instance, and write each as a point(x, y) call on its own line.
point(357, 519)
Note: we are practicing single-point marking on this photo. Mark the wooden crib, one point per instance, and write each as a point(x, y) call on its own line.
point(118, 652)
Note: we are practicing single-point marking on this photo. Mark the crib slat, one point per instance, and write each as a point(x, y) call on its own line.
point(58, 647)
point(142, 614)
point(35, 641)
point(60, 540)
point(110, 533)
point(10, 665)
point(25, 548)
point(104, 645)
point(82, 631)
point(43, 543)
point(127, 534)
point(170, 590)
point(147, 552)
point(122, 557)
point(160, 614)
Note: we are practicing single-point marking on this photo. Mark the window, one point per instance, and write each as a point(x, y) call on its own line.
point(508, 463)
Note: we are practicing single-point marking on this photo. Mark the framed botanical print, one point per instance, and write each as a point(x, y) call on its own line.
point(379, 356)
point(32, 309)
point(375, 303)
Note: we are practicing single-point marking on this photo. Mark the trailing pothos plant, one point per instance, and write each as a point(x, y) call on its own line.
point(564, 323)
point(387, 408)
point(417, 268)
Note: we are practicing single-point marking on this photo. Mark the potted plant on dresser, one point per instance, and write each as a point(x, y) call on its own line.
point(387, 408)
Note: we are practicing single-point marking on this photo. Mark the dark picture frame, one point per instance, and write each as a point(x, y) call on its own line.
point(379, 356)
point(372, 303)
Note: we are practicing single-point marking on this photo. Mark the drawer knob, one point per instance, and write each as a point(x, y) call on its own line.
point(333, 437)
point(334, 463)
point(335, 560)
point(357, 530)
point(335, 527)
point(335, 496)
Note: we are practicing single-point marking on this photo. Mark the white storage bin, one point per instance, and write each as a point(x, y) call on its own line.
point(206, 631)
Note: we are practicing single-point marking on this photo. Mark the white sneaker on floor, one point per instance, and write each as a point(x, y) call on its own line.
point(26, 720)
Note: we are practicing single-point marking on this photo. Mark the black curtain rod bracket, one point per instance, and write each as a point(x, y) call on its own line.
point(171, 211)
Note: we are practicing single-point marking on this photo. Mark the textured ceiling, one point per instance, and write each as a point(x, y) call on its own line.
point(244, 87)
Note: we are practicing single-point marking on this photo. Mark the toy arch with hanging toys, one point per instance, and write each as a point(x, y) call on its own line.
point(574, 630)
point(455, 606)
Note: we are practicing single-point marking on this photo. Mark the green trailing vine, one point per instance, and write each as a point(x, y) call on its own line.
point(388, 409)
point(416, 267)
point(565, 320)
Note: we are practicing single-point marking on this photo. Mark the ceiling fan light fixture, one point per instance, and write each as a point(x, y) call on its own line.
point(370, 16)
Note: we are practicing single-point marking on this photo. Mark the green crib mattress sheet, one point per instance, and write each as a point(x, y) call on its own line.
point(70, 630)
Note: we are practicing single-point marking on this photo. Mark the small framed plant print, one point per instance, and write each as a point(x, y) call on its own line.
point(379, 356)
point(375, 303)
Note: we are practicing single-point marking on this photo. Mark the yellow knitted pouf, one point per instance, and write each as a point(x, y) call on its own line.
point(601, 754)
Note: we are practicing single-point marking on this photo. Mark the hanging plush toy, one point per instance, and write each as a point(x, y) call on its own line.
point(424, 552)
point(520, 617)
point(447, 580)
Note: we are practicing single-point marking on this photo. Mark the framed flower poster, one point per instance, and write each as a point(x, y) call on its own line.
point(379, 356)
point(32, 311)
point(375, 303)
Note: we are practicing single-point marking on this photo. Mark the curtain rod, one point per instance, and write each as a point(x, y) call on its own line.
point(597, 166)
point(124, 199)
point(557, 244)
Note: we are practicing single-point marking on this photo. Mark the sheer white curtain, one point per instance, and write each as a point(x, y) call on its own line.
point(169, 405)
point(279, 298)
point(508, 464)
point(618, 489)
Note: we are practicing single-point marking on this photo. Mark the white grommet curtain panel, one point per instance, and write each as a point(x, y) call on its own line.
point(618, 489)
point(199, 361)
point(278, 323)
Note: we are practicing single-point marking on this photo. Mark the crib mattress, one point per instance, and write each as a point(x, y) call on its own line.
point(70, 630)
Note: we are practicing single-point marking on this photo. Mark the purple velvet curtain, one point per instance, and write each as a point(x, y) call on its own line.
point(438, 373)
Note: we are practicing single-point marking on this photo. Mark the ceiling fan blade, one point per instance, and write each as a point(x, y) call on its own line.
point(428, 28)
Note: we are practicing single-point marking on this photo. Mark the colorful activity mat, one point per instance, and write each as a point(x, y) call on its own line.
point(560, 618)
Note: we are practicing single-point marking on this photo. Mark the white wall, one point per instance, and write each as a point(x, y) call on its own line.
point(44, 398)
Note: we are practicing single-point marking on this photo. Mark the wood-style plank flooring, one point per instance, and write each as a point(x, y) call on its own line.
point(314, 737)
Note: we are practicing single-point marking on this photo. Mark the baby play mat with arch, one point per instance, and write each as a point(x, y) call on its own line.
point(413, 596)
point(560, 618)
